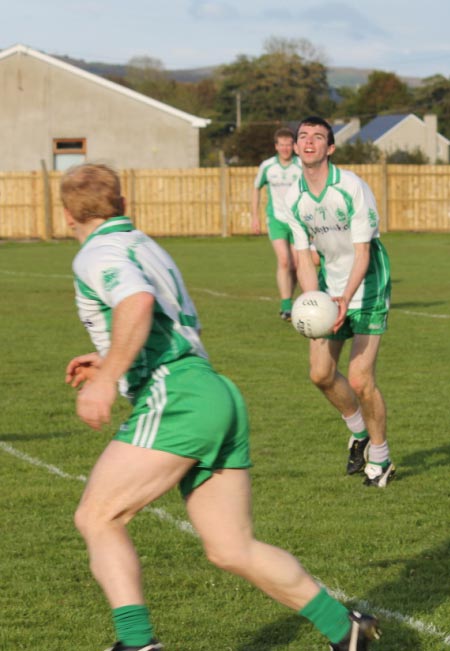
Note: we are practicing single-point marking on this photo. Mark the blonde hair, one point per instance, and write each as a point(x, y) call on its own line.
point(90, 191)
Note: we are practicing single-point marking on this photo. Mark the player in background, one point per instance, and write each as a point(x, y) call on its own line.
point(133, 301)
point(337, 210)
point(278, 173)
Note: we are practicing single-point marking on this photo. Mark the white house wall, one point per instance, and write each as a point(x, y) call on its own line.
point(409, 135)
point(40, 102)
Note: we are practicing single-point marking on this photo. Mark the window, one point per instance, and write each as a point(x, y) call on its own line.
point(68, 152)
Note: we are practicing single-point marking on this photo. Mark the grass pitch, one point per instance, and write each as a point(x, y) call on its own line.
point(385, 550)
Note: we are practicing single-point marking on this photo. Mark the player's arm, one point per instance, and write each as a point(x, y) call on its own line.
point(132, 320)
point(357, 273)
point(256, 226)
point(306, 271)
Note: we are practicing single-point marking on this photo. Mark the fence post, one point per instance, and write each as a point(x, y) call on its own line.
point(385, 186)
point(132, 195)
point(48, 231)
point(223, 193)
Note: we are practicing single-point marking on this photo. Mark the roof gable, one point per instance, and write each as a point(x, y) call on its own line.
point(22, 49)
point(378, 127)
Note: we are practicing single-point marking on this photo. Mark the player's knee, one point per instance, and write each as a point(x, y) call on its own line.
point(284, 264)
point(90, 518)
point(82, 520)
point(323, 378)
point(232, 559)
point(363, 385)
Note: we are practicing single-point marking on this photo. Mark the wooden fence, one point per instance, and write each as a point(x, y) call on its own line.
point(216, 201)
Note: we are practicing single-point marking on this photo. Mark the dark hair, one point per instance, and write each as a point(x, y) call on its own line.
point(283, 132)
point(314, 120)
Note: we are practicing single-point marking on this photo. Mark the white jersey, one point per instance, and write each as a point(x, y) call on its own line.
point(278, 178)
point(343, 215)
point(117, 261)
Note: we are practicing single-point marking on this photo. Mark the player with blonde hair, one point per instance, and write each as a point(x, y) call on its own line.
point(134, 304)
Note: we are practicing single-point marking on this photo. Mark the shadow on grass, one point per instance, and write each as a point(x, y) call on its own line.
point(420, 588)
point(424, 460)
point(280, 633)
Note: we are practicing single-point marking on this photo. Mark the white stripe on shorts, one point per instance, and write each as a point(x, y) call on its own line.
point(148, 424)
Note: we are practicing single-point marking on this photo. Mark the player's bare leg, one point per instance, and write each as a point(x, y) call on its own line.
point(361, 377)
point(220, 510)
point(285, 269)
point(323, 360)
point(294, 265)
point(124, 479)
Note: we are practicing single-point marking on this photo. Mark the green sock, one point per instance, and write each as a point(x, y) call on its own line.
point(132, 624)
point(361, 435)
point(327, 615)
point(286, 304)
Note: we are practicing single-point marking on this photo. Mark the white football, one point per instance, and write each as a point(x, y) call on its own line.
point(314, 314)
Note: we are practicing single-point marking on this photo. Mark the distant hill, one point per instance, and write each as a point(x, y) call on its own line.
point(354, 77)
point(337, 77)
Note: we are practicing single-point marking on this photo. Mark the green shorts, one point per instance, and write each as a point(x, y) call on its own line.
point(186, 408)
point(363, 322)
point(279, 230)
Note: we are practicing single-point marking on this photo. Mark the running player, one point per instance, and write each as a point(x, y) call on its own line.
point(133, 301)
point(277, 174)
point(337, 210)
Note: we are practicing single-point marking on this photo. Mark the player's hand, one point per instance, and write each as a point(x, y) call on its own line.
point(256, 226)
point(95, 400)
point(82, 368)
point(343, 307)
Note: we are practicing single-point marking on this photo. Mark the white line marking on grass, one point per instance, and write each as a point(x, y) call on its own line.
point(182, 525)
point(213, 292)
point(431, 316)
point(186, 527)
point(7, 272)
point(422, 627)
point(37, 462)
point(269, 298)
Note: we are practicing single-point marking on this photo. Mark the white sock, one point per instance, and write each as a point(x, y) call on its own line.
point(356, 425)
point(379, 454)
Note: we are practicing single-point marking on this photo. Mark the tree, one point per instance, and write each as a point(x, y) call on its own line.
point(404, 157)
point(384, 92)
point(250, 144)
point(357, 153)
point(433, 96)
point(279, 85)
point(295, 46)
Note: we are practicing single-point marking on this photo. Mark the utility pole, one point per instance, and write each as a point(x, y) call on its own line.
point(238, 109)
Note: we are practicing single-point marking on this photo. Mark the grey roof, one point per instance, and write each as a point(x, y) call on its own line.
point(337, 128)
point(377, 127)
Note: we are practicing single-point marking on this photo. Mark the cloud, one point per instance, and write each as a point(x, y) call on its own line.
point(343, 20)
point(212, 10)
point(278, 14)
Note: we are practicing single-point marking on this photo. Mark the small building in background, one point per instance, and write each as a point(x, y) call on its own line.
point(54, 114)
point(390, 133)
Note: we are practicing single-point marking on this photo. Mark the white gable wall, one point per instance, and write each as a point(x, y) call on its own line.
point(412, 133)
point(41, 101)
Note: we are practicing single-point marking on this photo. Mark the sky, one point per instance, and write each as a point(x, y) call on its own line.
point(408, 37)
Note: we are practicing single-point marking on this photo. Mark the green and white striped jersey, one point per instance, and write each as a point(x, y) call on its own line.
point(343, 215)
point(278, 179)
point(117, 261)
